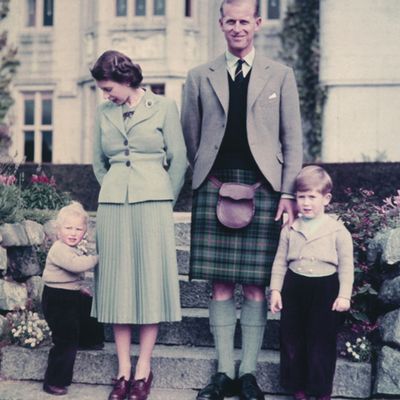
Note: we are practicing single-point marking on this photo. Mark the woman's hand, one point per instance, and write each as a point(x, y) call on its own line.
point(341, 304)
point(275, 301)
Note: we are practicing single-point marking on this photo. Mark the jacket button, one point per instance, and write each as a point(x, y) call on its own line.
point(127, 152)
point(128, 163)
point(126, 142)
point(216, 147)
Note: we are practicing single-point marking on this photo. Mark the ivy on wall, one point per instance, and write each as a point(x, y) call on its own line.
point(300, 49)
point(8, 66)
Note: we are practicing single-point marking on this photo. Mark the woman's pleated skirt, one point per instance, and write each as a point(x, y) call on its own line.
point(136, 281)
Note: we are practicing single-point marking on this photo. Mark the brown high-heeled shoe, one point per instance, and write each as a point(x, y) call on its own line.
point(140, 389)
point(120, 389)
point(300, 395)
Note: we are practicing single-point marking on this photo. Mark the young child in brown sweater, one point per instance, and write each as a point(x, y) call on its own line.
point(311, 284)
point(62, 301)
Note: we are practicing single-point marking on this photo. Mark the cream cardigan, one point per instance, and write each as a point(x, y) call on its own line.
point(64, 266)
point(326, 250)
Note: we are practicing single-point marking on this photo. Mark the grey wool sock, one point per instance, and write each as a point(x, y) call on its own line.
point(222, 325)
point(252, 321)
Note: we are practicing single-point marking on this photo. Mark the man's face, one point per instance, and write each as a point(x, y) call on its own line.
point(239, 26)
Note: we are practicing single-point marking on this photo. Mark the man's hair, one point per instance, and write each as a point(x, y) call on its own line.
point(313, 177)
point(74, 209)
point(256, 6)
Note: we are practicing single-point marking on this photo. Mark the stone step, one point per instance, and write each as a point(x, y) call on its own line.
point(175, 367)
point(29, 390)
point(194, 330)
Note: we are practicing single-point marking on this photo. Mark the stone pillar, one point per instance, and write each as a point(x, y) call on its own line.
point(360, 66)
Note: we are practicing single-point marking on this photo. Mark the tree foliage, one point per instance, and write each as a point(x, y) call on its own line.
point(8, 66)
point(300, 49)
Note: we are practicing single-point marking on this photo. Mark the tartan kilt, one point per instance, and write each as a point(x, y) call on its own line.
point(242, 255)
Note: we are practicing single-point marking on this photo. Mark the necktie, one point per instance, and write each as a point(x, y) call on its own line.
point(239, 72)
point(128, 114)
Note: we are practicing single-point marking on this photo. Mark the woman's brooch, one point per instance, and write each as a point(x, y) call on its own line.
point(149, 103)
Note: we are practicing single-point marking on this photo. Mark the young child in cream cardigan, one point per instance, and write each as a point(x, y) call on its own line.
point(64, 306)
point(311, 284)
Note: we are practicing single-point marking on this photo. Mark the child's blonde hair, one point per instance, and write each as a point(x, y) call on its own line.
point(313, 177)
point(73, 209)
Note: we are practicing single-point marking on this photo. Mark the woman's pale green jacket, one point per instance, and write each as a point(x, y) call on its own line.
point(146, 160)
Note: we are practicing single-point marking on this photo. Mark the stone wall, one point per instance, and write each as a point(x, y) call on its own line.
point(386, 249)
point(22, 250)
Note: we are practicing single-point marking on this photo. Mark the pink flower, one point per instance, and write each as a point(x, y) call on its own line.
point(7, 180)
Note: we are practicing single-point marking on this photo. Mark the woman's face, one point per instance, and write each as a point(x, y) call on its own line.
point(116, 92)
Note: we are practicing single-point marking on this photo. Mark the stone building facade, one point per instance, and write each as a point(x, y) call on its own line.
point(58, 40)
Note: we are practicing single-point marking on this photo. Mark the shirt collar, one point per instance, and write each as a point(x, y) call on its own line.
point(231, 60)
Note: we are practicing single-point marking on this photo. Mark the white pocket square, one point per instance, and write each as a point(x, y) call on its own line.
point(272, 96)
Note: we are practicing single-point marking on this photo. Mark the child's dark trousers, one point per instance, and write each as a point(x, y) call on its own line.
point(67, 314)
point(308, 333)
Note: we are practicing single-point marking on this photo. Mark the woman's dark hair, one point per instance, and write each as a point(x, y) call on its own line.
point(115, 66)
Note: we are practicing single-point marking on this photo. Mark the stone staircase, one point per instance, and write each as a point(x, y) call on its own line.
point(183, 360)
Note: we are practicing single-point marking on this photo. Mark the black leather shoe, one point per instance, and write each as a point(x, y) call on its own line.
point(221, 386)
point(249, 389)
point(55, 390)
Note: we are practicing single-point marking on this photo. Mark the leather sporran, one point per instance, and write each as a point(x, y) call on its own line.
point(236, 205)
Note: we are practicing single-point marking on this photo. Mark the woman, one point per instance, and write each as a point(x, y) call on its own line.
point(140, 162)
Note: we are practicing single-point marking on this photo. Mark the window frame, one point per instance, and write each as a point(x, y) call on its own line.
point(39, 129)
point(35, 17)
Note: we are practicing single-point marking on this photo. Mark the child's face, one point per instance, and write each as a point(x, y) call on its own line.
point(71, 230)
point(311, 203)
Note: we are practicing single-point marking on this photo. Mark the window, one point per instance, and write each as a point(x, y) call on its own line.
point(40, 12)
point(38, 126)
point(140, 7)
point(273, 9)
point(121, 8)
point(159, 7)
point(31, 13)
point(188, 8)
point(157, 88)
point(47, 12)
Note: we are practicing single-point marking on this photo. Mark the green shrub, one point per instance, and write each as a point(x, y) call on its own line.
point(42, 194)
point(37, 215)
point(365, 215)
point(10, 204)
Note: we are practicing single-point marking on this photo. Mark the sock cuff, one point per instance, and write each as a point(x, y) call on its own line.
point(254, 313)
point(222, 313)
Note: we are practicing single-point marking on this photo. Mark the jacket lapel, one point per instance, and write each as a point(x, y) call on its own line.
point(258, 79)
point(114, 114)
point(219, 81)
point(146, 108)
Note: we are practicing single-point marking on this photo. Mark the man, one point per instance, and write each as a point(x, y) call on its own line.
point(241, 123)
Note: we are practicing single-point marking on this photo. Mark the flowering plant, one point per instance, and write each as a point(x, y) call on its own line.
point(43, 178)
point(42, 194)
point(82, 246)
point(7, 180)
point(10, 199)
point(27, 329)
point(364, 216)
point(359, 351)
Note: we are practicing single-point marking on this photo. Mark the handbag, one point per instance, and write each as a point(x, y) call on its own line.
point(235, 206)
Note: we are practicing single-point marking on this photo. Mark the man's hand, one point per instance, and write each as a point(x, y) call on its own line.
point(341, 304)
point(275, 301)
point(287, 206)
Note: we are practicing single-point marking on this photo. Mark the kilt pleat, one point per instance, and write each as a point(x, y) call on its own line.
point(234, 255)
